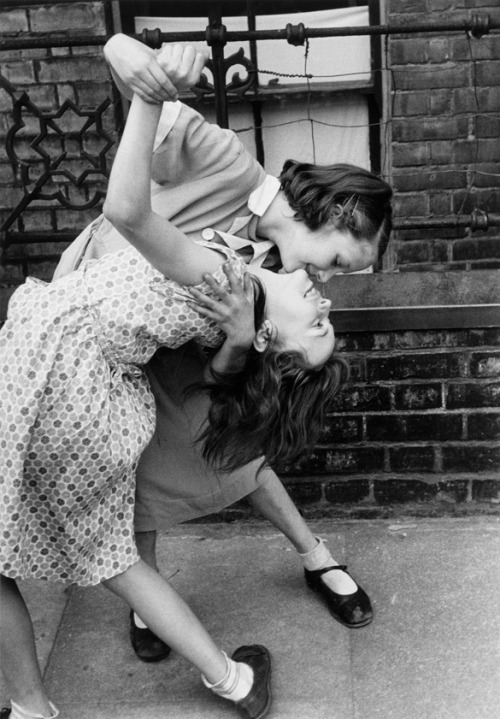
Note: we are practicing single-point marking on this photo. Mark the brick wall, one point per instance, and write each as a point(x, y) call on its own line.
point(418, 425)
point(445, 129)
point(417, 429)
point(52, 77)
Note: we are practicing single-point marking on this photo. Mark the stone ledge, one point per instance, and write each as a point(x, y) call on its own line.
point(411, 301)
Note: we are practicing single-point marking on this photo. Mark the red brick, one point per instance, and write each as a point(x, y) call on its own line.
point(440, 204)
point(412, 458)
point(347, 491)
point(60, 52)
point(70, 17)
point(476, 249)
point(473, 394)
point(414, 427)
point(465, 202)
point(92, 69)
point(76, 219)
point(19, 73)
point(466, 100)
point(410, 205)
point(486, 489)
point(453, 491)
point(411, 181)
point(403, 52)
point(488, 127)
point(409, 154)
point(404, 131)
point(342, 429)
point(487, 73)
point(304, 492)
point(441, 102)
point(487, 336)
point(414, 366)
point(445, 128)
point(362, 398)
point(410, 103)
point(439, 49)
point(361, 341)
point(483, 426)
point(397, 8)
point(432, 78)
point(464, 151)
point(413, 252)
point(412, 397)
point(36, 220)
point(361, 460)
point(14, 21)
point(396, 490)
point(489, 176)
point(439, 251)
point(470, 458)
point(485, 365)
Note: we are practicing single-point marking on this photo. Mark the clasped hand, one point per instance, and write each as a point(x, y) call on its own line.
point(233, 310)
point(155, 76)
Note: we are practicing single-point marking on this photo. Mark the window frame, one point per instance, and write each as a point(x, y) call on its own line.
point(215, 12)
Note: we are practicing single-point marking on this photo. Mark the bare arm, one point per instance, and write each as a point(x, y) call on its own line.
point(136, 70)
point(128, 202)
point(234, 313)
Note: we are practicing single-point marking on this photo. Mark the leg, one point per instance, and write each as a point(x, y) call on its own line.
point(244, 680)
point(347, 602)
point(168, 615)
point(273, 502)
point(146, 645)
point(19, 660)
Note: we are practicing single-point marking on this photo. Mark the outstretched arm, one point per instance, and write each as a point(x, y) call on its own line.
point(128, 202)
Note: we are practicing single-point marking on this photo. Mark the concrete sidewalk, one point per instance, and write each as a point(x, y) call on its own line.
point(432, 652)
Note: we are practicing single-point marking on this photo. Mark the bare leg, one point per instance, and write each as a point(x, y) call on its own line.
point(169, 617)
point(273, 502)
point(18, 652)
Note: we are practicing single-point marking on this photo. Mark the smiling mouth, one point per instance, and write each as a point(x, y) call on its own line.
point(311, 291)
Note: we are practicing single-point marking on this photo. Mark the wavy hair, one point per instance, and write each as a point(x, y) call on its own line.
point(314, 192)
point(275, 405)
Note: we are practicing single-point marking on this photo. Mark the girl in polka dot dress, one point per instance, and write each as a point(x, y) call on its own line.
point(76, 411)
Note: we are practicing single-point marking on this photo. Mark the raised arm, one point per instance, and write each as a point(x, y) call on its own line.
point(128, 202)
point(135, 70)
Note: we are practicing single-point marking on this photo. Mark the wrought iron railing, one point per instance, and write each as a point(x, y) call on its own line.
point(52, 167)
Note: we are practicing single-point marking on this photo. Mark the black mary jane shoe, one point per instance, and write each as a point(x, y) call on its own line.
point(146, 645)
point(352, 610)
point(258, 702)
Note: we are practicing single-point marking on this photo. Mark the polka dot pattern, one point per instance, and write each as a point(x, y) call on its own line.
point(76, 411)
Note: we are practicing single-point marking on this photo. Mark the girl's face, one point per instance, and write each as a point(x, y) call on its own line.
point(297, 315)
point(325, 252)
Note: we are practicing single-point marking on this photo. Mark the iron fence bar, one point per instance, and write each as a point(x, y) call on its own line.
point(478, 25)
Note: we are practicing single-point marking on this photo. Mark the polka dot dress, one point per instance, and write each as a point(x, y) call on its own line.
point(76, 411)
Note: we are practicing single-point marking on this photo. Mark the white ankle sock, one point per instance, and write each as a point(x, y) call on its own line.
point(320, 557)
point(138, 622)
point(20, 713)
point(236, 683)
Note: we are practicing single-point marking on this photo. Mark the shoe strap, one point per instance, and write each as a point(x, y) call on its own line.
point(320, 572)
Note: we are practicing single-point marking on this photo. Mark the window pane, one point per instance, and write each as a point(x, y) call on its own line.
point(339, 128)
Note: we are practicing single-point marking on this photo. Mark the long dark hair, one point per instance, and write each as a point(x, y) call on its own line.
point(313, 191)
point(275, 406)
